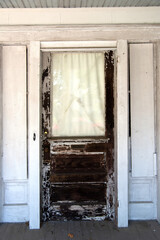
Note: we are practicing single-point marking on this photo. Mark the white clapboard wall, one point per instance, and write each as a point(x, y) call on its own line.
point(14, 134)
point(142, 179)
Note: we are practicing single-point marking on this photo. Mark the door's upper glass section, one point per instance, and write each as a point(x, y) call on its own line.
point(78, 94)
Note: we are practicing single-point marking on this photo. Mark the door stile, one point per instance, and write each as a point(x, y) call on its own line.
point(122, 133)
point(34, 134)
point(1, 135)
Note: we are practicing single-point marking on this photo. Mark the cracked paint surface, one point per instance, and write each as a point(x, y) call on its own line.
point(78, 181)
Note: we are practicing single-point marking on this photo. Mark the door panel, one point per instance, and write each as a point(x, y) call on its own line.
point(142, 177)
point(142, 117)
point(14, 202)
point(77, 172)
point(14, 113)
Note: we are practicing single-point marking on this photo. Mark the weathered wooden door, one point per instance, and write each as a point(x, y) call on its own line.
point(78, 161)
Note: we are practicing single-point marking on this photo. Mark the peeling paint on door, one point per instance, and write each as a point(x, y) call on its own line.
point(78, 181)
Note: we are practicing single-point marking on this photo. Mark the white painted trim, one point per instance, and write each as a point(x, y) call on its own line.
point(112, 15)
point(15, 192)
point(122, 132)
point(15, 213)
point(1, 135)
point(14, 115)
point(58, 50)
point(158, 129)
point(142, 95)
point(142, 198)
point(34, 127)
point(24, 34)
point(78, 44)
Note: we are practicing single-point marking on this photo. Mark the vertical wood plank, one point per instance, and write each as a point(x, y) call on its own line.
point(49, 3)
point(55, 3)
point(78, 3)
point(14, 113)
point(26, 4)
point(20, 4)
point(3, 4)
point(142, 109)
point(43, 4)
point(32, 4)
point(15, 4)
point(34, 128)
point(158, 129)
point(122, 132)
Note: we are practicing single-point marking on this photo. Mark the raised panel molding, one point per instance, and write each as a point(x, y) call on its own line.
point(142, 198)
point(15, 192)
point(15, 213)
point(15, 201)
point(141, 211)
point(141, 190)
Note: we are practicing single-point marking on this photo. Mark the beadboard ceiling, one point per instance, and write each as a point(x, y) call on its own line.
point(76, 3)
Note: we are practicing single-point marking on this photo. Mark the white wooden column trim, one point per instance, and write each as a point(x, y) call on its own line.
point(34, 128)
point(1, 137)
point(122, 132)
point(158, 130)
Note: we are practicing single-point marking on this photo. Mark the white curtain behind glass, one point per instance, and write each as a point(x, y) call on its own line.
point(78, 97)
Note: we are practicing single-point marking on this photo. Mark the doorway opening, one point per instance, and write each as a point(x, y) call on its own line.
point(78, 173)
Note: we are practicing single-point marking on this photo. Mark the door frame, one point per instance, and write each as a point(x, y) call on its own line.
point(121, 123)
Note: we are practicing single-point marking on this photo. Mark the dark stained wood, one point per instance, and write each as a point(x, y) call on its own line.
point(77, 162)
point(79, 177)
point(96, 147)
point(78, 173)
point(79, 192)
point(109, 76)
point(46, 150)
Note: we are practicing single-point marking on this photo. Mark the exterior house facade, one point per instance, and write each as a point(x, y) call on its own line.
point(52, 169)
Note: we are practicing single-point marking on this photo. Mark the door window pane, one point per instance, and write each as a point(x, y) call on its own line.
point(78, 94)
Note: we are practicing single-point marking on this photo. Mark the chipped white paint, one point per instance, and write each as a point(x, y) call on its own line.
point(76, 208)
point(63, 16)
